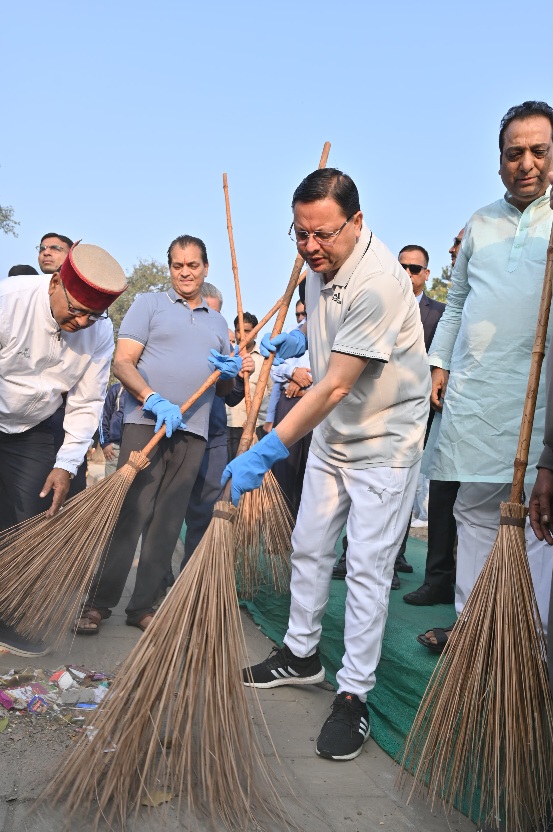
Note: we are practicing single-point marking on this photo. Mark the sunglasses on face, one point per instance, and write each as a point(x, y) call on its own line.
point(414, 268)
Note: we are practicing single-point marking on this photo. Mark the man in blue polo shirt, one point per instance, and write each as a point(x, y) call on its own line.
point(168, 344)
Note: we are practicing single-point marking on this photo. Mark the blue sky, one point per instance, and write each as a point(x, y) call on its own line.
point(120, 118)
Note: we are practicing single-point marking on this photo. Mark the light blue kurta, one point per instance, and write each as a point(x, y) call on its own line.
point(485, 339)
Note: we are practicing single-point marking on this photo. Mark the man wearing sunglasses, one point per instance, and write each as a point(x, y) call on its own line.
point(368, 409)
point(55, 339)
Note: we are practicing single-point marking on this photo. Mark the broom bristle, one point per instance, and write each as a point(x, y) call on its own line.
point(176, 718)
point(484, 730)
point(262, 539)
point(47, 563)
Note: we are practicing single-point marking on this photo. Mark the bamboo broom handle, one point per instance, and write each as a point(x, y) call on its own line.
point(538, 352)
point(239, 307)
point(215, 374)
point(249, 427)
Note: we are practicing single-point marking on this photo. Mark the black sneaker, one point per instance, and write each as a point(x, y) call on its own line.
point(283, 668)
point(346, 729)
point(18, 645)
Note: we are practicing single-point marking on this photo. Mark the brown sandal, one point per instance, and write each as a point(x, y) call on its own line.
point(92, 616)
point(142, 623)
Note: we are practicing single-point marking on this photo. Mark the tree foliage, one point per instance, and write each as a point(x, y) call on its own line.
point(146, 276)
point(440, 285)
point(7, 222)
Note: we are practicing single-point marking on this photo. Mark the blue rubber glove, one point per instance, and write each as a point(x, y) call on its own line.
point(228, 365)
point(286, 345)
point(165, 413)
point(248, 469)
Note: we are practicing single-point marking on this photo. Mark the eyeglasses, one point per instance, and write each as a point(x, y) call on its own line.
point(301, 314)
point(324, 238)
point(80, 313)
point(40, 249)
point(457, 241)
point(414, 268)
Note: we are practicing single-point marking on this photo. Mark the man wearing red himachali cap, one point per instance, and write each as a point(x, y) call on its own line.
point(55, 339)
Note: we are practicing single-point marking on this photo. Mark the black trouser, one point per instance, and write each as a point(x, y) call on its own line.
point(26, 459)
point(207, 490)
point(442, 531)
point(234, 435)
point(289, 472)
point(154, 507)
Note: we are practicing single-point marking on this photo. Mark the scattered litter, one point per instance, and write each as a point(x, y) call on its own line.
point(53, 695)
point(20, 697)
point(38, 705)
point(64, 680)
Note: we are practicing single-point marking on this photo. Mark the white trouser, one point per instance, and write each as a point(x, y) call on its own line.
point(376, 502)
point(477, 514)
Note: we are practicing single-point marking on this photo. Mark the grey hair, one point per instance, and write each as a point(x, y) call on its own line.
point(211, 291)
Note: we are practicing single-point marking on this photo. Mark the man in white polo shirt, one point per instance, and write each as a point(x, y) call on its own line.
point(368, 409)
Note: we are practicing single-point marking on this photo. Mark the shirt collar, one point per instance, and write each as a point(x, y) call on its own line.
point(176, 298)
point(344, 273)
point(537, 203)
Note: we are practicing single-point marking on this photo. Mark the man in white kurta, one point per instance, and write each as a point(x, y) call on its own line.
point(368, 409)
point(485, 339)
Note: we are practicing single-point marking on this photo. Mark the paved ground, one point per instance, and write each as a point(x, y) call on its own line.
point(357, 796)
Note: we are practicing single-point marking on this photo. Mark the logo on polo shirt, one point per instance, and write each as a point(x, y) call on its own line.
point(336, 296)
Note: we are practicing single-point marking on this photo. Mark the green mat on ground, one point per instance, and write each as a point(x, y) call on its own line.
point(405, 667)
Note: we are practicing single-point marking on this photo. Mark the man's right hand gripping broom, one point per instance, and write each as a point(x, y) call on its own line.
point(248, 469)
point(166, 413)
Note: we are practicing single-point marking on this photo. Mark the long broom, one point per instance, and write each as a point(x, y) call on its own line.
point(484, 730)
point(47, 563)
point(263, 527)
point(239, 307)
point(176, 720)
point(264, 524)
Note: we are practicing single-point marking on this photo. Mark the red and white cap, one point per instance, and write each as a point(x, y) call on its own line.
point(92, 276)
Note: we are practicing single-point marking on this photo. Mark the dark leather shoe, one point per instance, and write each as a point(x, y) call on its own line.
point(340, 570)
point(428, 595)
point(402, 565)
point(396, 583)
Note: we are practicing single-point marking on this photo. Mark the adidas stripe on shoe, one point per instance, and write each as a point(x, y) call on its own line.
point(283, 668)
point(346, 729)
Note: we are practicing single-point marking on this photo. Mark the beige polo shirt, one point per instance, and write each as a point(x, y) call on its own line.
point(369, 310)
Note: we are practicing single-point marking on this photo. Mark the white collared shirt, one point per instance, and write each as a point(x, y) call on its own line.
point(39, 363)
